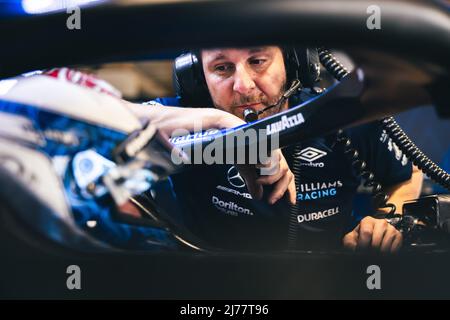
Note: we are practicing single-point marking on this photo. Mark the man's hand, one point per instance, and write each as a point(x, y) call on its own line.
point(281, 178)
point(375, 234)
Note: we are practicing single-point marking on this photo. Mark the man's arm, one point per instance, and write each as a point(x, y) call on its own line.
point(407, 190)
point(169, 119)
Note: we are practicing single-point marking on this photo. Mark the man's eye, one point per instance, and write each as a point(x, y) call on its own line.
point(222, 68)
point(257, 61)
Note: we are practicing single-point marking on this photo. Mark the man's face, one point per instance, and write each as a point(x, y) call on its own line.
point(244, 78)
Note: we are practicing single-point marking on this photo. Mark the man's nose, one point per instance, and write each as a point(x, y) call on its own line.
point(243, 81)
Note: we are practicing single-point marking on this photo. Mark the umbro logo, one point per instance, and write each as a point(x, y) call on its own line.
point(311, 154)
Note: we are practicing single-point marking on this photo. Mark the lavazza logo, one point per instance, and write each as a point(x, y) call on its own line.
point(285, 123)
point(310, 155)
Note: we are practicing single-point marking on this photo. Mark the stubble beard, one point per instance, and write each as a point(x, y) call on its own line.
point(242, 100)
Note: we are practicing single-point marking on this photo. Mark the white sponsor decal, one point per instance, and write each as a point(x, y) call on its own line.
point(285, 123)
point(310, 155)
point(394, 148)
point(238, 193)
point(235, 178)
point(229, 207)
point(307, 187)
point(192, 137)
point(317, 215)
point(313, 191)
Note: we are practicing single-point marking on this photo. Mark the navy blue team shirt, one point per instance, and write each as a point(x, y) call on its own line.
point(217, 206)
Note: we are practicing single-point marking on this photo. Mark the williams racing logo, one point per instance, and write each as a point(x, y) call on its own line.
point(317, 190)
point(285, 123)
point(310, 155)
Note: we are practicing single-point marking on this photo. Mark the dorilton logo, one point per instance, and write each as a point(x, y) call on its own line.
point(229, 207)
point(234, 178)
point(285, 123)
point(311, 154)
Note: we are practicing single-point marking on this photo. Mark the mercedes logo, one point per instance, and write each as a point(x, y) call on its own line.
point(234, 178)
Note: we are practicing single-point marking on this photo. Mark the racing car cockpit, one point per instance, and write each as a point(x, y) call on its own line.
point(64, 162)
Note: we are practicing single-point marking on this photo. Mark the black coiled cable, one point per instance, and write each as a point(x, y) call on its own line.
point(380, 199)
point(333, 66)
point(295, 209)
point(431, 169)
point(398, 136)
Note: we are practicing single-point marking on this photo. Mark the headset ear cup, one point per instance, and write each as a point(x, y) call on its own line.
point(302, 64)
point(313, 65)
point(183, 77)
point(309, 66)
point(189, 82)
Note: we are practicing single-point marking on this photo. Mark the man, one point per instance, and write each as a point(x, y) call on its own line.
point(239, 209)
